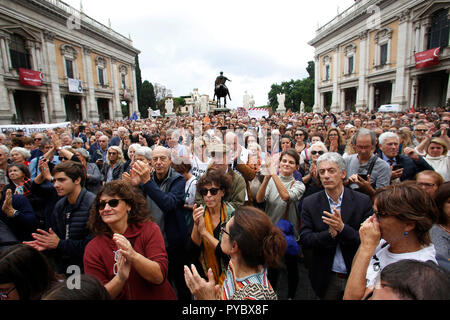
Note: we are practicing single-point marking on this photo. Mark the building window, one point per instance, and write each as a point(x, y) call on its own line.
point(383, 54)
point(101, 78)
point(383, 46)
point(69, 68)
point(20, 58)
point(124, 83)
point(439, 31)
point(70, 54)
point(327, 72)
point(350, 64)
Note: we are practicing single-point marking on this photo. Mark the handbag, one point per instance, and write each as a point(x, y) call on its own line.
point(288, 230)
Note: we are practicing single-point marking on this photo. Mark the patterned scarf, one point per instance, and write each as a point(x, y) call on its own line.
point(208, 256)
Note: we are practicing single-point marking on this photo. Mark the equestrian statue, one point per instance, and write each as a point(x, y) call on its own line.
point(221, 90)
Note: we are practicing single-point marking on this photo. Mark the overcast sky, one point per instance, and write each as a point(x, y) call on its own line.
point(185, 44)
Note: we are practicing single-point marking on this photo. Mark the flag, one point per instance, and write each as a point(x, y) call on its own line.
point(206, 119)
point(134, 117)
point(30, 77)
point(412, 109)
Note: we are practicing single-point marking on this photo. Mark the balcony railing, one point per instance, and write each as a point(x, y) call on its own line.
point(71, 11)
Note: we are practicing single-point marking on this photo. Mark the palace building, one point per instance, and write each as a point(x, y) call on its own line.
point(384, 52)
point(57, 64)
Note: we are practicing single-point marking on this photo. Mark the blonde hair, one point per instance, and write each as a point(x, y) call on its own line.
point(120, 158)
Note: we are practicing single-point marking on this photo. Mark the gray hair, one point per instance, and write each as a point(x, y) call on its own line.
point(365, 132)
point(77, 140)
point(26, 154)
point(387, 135)
point(83, 152)
point(4, 149)
point(333, 157)
point(144, 151)
point(134, 147)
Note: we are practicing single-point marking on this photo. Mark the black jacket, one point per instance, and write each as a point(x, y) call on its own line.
point(356, 207)
point(70, 226)
point(410, 167)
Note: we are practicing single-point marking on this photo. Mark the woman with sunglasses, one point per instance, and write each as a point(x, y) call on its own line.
point(213, 186)
point(113, 168)
point(199, 157)
point(25, 273)
point(301, 138)
point(399, 229)
point(309, 169)
point(128, 254)
point(253, 244)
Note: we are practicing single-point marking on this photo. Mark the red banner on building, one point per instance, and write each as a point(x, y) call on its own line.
point(427, 58)
point(30, 77)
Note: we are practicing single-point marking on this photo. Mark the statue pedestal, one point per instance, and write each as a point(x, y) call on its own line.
point(281, 110)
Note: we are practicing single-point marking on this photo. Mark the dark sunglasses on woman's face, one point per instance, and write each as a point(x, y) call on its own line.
point(205, 191)
point(112, 203)
point(317, 152)
point(63, 158)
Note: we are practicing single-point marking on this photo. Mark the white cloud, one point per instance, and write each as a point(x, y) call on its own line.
point(185, 44)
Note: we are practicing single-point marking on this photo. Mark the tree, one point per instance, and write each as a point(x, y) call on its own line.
point(148, 99)
point(296, 91)
point(139, 86)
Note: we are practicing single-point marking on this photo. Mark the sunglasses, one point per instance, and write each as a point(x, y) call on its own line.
point(112, 203)
point(299, 134)
point(37, 139)
point(317, 152)
point(63, 158)
point(205, 191)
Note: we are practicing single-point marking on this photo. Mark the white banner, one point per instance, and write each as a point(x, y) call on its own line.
point(156, 113)
point(28, 129)
point(75, 85)
point(258, 113)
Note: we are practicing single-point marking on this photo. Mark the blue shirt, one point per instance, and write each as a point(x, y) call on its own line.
point(338, 262)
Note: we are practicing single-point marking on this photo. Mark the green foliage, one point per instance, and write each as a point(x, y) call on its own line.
point(296, 91)
point(148, 99)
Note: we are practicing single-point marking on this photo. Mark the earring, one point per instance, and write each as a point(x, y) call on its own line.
point(406, 234)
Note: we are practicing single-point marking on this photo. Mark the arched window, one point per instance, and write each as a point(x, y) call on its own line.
point(438, 33)
point(20, 58)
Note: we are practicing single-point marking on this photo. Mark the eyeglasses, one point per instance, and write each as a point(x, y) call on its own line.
point(205, 191)
point(222, 229)
point(116, 257)
point(317, 152)
point(112, 203)
point(426, 185)
point(4, 295)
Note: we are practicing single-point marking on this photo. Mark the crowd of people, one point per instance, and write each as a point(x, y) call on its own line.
point(217, 206)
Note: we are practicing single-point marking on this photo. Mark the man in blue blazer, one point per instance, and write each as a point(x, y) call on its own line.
point(330, 227)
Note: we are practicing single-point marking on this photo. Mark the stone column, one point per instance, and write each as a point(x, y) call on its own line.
point(116, 107)
point(371, 97)
point(51, 70)
point(342, 100)
point(425, 24)
point(414, 92)
point(336, 63)
point(361, 92)
point(91, 104)
point(401, 80)
point(318, 107)
point(134, 90)
point(447, 99)
point(12, 103)
point(44, 106)
point(4, 52)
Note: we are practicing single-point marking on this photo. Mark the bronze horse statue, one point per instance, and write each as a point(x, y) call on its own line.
point(221, 90)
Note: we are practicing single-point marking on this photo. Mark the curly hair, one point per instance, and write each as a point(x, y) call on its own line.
point(132, 196)
point(218, 177)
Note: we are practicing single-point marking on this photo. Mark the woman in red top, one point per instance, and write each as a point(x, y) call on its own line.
point(128, 254)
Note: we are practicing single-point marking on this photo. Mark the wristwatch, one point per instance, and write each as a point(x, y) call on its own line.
point(15, 214)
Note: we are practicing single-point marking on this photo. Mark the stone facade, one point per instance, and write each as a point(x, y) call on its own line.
point(62, 43)
point(365, 57)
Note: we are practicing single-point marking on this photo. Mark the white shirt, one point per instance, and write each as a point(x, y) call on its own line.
point(383, 257)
